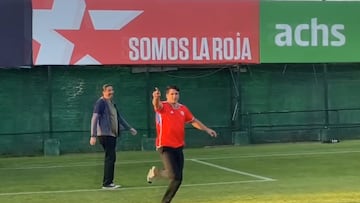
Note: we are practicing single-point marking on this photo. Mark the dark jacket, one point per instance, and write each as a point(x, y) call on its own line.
point(101, 123)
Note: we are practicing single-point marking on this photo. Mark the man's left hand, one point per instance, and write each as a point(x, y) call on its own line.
point(211, 132)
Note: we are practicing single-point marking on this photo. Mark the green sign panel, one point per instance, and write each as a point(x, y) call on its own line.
point(309, 32)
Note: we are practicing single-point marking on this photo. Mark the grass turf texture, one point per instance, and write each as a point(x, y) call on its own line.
point(303, 172)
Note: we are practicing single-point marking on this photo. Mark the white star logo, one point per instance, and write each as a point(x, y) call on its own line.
point(68, 15)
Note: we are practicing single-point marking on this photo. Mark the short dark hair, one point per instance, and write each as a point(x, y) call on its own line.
point(106, 86)
point(172, 87)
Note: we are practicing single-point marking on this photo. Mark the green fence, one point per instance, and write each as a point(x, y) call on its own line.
point(300, 102)
point(260, 103)
point(56, 103)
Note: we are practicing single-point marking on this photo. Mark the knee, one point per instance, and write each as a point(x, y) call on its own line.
point(113, 159)
point(111, 156)
point(175, 177)
point(171, 175)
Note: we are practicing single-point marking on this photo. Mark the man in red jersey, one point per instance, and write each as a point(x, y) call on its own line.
point(171, 117)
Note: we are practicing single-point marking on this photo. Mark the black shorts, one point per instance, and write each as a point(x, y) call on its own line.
point(173, 160)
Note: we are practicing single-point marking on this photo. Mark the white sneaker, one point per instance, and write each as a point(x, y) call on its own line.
point(151, 174)
point(112, 186)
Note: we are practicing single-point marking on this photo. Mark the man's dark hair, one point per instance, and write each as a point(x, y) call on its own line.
point(106, 86)
point(172, 87)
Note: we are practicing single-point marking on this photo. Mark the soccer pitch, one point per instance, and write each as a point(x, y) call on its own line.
point(275, 173)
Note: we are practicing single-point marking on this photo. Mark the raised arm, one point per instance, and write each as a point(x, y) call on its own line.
point(156, 100)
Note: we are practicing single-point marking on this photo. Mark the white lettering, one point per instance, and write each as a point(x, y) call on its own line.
point(246, 49)
point(338, 35)
point(217, 48)
point(238, 47)
point(284, 38)
point(145, 47)
point(178, 49)
point(228, 48)
point(173, 49)
point(194, 49)
point(298, 31)
point(134, 51)
point(183, 50)
point(204, 49)
point(159, 49)
point(313, 34)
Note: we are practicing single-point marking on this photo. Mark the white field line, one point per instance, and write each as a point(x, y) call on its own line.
point(89, 164)
point(233, 170)
point(125, 189)
point(84, 164)
point(280, 155)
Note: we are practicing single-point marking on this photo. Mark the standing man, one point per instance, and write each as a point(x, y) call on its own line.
point(171, 117)
point(106, 124)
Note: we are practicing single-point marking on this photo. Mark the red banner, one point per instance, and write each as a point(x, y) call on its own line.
point(145, 31)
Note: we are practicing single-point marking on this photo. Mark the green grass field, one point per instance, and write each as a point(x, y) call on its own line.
point(303, 172)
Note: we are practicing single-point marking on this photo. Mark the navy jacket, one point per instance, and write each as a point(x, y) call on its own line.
point(101, 123)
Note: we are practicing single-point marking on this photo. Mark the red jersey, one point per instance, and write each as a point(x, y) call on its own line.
point(170, 125)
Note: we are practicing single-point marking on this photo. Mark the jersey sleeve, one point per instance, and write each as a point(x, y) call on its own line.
point(162, 110)
point(189, 117)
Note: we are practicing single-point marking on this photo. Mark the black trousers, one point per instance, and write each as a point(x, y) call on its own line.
point(173, 160)
point(109, 145)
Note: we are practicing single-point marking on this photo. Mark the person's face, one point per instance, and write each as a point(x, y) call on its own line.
point(172, 96)
point(108, 92)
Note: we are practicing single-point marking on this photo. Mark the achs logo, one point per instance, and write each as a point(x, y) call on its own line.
point(310, 35)
point(182, 113)
point(62, 30)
